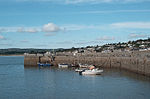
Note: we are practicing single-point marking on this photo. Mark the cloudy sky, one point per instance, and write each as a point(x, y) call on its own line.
point(72, 23)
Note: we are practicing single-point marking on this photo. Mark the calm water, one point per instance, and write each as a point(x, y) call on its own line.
point(51, 83)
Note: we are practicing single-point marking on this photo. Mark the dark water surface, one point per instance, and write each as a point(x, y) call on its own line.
point(17, 82)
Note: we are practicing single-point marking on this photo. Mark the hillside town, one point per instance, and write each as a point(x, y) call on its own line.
point(138, 45)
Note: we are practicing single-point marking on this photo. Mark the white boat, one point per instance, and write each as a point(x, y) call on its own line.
point(84, 65)
point(63, 65)
point(80, 70)
point(91, 72)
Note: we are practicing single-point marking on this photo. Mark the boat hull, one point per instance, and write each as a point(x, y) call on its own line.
point(90, 72)
point(63, 65)
point(79, 70)
point(41, 64)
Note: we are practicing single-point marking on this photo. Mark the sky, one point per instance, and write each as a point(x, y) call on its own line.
point(72, 23)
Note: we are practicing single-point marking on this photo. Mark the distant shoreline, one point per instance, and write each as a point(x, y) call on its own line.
point(13, 55)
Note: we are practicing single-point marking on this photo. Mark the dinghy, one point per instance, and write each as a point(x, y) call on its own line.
point(91, 72)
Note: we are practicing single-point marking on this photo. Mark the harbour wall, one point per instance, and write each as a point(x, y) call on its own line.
point(138, 62)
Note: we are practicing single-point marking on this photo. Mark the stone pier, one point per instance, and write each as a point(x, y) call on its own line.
point(138, 62)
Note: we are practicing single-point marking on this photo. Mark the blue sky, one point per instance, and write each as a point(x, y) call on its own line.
point(72, 23)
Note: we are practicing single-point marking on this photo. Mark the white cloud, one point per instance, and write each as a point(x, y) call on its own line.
point(8, 29)
point(95, 1)
point(85, 1)
point(88, 42)
point(120, 25)
point(20, 29)
point(135, 35)
point(106, 38)
point(27, 30)
point(50, 27)
point(112, 11)
point(139, 25)
point(80, 27)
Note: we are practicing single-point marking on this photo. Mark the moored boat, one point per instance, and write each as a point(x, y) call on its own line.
point(84, 65)
point(79, 69)
point(44, 64)
point(63, 65)
point(91, 72)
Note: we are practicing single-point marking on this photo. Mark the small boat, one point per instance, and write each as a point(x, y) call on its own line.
point(63, 65)
point(84, 65)
point(91, 72)
point(44, 64)
point(79, 70)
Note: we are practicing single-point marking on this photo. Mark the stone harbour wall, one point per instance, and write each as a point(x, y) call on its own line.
point(138, 62)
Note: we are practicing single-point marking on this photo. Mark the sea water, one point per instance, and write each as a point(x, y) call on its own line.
point(19, 82)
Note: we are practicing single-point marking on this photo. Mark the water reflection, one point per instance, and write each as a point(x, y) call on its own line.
point(118, 73)
point(66, 80)
point(115, 73)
